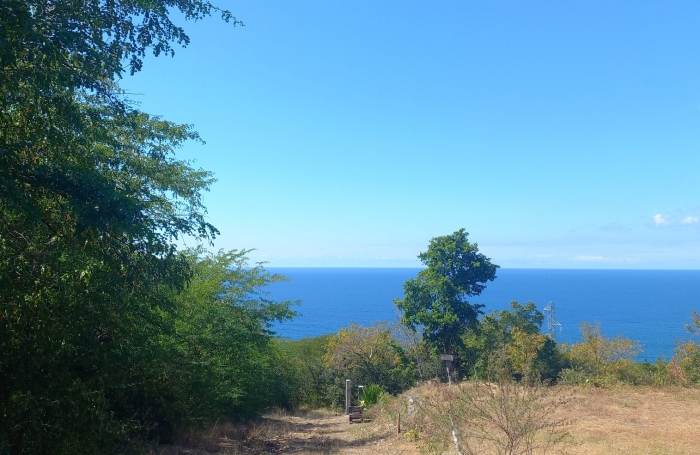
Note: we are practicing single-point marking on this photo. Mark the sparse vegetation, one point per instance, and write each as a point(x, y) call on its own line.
point(504, 418)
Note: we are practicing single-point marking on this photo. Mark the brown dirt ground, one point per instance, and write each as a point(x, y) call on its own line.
point(620, 420)
point(313, 433)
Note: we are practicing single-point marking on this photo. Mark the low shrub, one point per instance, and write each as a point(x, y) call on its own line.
point(373, 394)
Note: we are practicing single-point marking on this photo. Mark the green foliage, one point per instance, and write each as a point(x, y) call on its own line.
point(87, 273)
point(602, 360)
point(83, 44)
point(224, 359)
point(138, 370)
point(373, 394)
point(436, 300)
point(694, 327)
point(427, 362)
point(531, 354)
point(91, 203)
point(657, 374)
point(685, 365)
point(313, 385)
point(365, 355)
point(368, 355)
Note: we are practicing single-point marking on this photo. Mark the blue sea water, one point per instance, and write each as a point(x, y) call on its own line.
point(651, 306)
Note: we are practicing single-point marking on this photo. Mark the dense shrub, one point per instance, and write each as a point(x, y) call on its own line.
point(92, 202)
point(368, 355)
point(530, 354)
point(602, 361)
point(685, 366)
point(224, 360)
point(312, 383)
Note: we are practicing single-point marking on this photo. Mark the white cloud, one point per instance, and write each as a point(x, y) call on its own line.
point(690, 220)
point(589, 258)
point(660, 219)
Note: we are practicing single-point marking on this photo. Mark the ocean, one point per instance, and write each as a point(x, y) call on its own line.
point(651, 306)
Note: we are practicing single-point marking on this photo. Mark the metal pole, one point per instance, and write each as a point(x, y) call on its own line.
point(348, 396)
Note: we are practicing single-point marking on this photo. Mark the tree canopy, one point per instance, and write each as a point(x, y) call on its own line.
point(436, 300)
point(92, 199)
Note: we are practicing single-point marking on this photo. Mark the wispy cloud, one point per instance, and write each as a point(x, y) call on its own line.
point(589, 258)
point(660, 219)
point(690, 220)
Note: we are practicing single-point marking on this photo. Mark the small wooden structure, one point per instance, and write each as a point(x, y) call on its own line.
point(449, 358)
point(355, 413)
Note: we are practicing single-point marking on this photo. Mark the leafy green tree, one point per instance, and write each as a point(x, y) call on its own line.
point(500, 330)
point(311, 382)
point(436, 300)
point(533, 356)
point(225, 359)
point(91, 201)
point(87, 277)
point(369, 355)
point(52, 56)
point(428, 364)
point(526, 318)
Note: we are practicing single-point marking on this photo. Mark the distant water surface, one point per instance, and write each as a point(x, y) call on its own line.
point(651, 306)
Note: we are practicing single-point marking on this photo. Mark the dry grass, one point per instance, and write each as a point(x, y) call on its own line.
point(309, 433)
point(620, 420)
point(634, 420)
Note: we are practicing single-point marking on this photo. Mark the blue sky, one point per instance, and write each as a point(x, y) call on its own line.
point(559, 135)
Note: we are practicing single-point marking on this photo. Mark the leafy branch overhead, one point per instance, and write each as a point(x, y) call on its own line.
point(92, 200)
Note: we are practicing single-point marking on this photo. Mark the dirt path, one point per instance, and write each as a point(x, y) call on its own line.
point(315, 433)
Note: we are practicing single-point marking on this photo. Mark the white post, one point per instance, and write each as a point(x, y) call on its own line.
point(348, 396)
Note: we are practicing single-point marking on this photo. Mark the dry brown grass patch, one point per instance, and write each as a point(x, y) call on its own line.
point(604, 421)
point(634, 420)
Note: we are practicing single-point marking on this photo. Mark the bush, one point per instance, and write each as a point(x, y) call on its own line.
point(685, 365)
point(368, 355)
point(501, 416)
point(373, 394)
point(313, 385)
point(602, 360)
point(532, 355)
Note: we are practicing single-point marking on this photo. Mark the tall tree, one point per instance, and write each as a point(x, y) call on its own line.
point(225, 361)
point(436, 299)
point(91, 202)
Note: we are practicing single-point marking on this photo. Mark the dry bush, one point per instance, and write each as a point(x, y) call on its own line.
point(506, 418)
